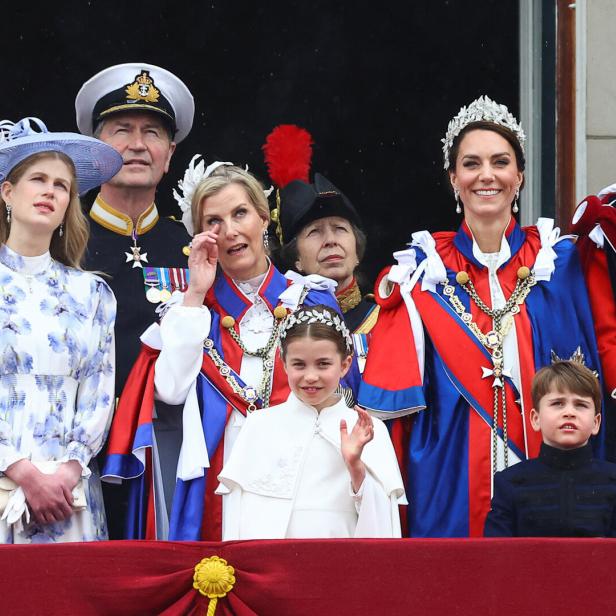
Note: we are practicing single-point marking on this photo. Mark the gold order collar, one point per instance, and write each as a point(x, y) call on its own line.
point(493, 341)
point(349, 297)
point(118, 222)
point(265, 353)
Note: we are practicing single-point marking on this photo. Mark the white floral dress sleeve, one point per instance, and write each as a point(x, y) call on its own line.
point(96, 386)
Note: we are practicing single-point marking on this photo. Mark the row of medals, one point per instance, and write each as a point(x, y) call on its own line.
point(155, 294)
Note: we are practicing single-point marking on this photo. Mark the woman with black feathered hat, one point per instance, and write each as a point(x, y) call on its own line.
point(318, 227)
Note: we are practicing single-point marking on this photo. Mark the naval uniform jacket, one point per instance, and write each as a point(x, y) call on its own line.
point(162, 241)
point(110, 239)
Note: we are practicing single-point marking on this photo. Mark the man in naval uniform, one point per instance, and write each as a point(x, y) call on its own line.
point(143, 111)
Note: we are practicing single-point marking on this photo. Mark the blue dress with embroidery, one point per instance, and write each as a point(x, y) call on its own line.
point(56, 380)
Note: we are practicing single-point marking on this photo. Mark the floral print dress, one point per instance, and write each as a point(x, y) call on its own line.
point(56, 380)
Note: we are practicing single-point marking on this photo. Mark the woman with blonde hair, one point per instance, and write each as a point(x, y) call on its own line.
point(218, 353)
point(57, 364)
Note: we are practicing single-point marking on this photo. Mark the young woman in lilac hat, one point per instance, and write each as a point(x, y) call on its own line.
point(56, 337)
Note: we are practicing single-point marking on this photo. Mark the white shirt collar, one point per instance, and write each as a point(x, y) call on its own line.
point(486, 258)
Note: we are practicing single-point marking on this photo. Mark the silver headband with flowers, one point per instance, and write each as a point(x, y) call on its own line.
point(307, 316)
point(195, 172)
point(481, 109)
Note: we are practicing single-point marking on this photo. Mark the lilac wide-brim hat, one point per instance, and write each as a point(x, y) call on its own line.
point(95, 162)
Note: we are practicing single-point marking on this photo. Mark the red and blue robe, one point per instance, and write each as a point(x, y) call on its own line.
point(196, 512)
point(446, 453)
point(594, 222)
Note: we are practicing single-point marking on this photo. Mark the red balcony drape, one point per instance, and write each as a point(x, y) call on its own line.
point(340, 577)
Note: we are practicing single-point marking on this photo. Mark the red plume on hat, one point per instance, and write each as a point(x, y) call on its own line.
point(288, 156)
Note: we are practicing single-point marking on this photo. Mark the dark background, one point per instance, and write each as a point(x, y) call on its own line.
point(375, 83)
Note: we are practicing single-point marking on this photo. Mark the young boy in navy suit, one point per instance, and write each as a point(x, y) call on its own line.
point(564, 492)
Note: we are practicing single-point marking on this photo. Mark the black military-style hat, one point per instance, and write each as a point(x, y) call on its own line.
point(135, 86)
point(288, 154)
point(302, 203)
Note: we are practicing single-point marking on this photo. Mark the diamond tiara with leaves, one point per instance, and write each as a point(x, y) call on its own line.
point(482, 109)
point(326, 317)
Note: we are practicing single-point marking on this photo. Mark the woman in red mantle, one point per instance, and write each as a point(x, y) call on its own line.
point(594, 223)
point(214, 352)
point(466, 319)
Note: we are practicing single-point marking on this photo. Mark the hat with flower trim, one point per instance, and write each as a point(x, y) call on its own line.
point(95, 162)
point(135, 86)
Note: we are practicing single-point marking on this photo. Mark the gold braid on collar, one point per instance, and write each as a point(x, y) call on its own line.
point(349, 297)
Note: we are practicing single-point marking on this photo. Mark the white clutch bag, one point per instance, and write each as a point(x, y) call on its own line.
point(8, 486)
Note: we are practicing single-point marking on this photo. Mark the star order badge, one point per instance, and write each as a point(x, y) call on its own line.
point(136, 257)
point(143, 89)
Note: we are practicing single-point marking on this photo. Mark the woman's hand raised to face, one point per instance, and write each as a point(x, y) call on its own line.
point(202, 265)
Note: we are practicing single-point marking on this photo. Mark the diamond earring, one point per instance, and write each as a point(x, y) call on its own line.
point(515, 209)
point(456, 194)
point(265, 240)
point(8, 213)
point(61, 229)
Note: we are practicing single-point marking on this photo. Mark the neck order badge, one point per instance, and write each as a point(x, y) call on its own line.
point(135, 253)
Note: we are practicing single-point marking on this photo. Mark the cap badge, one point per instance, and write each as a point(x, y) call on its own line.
point(143, 89)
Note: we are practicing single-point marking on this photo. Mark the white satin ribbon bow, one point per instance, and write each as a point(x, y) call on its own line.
point(291, 296)
point(544, 264)
point(434, 270)
point(597, 236)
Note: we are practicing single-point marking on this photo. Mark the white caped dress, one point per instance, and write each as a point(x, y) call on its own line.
point(286, 478)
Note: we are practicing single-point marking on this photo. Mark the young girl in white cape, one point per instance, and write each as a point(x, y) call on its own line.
point(312, 467)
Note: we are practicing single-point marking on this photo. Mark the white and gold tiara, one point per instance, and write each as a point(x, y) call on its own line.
point(326, 317)
point(481, 109)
